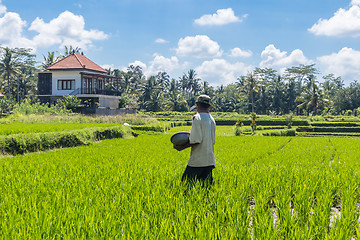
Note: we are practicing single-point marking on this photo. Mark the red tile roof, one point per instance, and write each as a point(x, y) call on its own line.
point(76, 61)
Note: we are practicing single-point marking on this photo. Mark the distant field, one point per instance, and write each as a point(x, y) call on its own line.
point(220, 130)
point(20, 127)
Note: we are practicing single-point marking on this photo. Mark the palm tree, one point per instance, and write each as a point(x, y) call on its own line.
point(174, 99)
point(277, 94)
point(135, 77)
point(311, 98)
point(151, 95)
point(11, 62)
point(49, 59)
point(70, 50)
point(163, 79)
point(249, 85)
point(9, 68)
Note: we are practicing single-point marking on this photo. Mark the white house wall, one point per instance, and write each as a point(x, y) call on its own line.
point(65, 75)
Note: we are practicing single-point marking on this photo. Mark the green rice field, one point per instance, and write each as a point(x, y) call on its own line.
point(265, 188)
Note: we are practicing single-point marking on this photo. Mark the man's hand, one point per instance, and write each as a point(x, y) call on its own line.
point(180, 148)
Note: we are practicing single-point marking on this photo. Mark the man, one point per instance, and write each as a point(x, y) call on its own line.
point(202, 140)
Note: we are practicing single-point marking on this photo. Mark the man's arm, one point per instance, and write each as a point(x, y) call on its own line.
point(182, 147)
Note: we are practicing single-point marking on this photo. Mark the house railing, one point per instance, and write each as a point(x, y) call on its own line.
point(95, 91)
point(75, 92)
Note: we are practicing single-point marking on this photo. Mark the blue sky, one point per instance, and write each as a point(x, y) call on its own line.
point(220, 39)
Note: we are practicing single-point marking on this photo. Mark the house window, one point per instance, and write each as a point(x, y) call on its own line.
point(66, 84)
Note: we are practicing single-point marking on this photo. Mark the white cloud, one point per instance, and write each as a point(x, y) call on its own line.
point(344, 23)
point(107, 66)
point(66, 29)
point(273, 57)
point(160, 40)
point(136, 63)
point(355, 2)
point(162, 64)
point(2, 8)
point(221, 17)
point(237, 52)
point(220, 71)
point(12, 26)
point(345, 63)
point(200, 46)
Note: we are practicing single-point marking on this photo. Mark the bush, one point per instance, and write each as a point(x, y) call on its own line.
point(28, 107)
point(336, 124)
point(241, 130)
point(329, 129)
point(24, 143)
point(159, 127)
point(70, 102)
point(287, 132)
point(6, 105)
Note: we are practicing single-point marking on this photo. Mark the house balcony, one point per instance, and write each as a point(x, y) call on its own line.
point(95, 91)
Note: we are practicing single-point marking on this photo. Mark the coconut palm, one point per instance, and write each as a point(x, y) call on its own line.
point(11, 62)
point(9, 68)
point(70, 50)
point(174, 99)
point(49, 59)
point(249, 85)
point(311, 98)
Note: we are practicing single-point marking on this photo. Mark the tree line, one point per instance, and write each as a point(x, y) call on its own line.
point(264, 90)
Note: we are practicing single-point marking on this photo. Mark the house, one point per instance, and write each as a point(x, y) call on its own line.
point(1, 95)
point(77, 75)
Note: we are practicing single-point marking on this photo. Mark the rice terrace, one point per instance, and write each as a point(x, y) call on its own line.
point(110, 184)
point(164, 119)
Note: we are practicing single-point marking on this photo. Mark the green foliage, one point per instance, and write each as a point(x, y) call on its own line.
point(336, 124)
point(17, 72)
point(32, 142)
point(158, 127)
point(124, 100)
point(289, 120)
point(286, 132)
point(265, 188)
point(28, 106)
point(16, 127)
point(6, 105)
point(70, 102)
point(253, 121)
point(328, 129)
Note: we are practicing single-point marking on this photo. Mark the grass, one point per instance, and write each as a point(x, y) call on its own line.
point(220, 130)
point(265, 187)
point(20, 127)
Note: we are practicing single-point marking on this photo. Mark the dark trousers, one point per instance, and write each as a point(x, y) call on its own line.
point(203, 174)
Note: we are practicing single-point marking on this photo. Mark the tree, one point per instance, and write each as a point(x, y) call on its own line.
point(6, 105)
point(49, 59)
point(135, 78)
point(301, 72)
point(163, 79)
point(11, 63)
point(277, 95)
point(174, 99)
point(191, 86)
point(311, 98)
point(26, 82)
point(249, 85)
point(68, 50)
point(151, 95)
